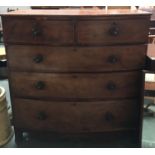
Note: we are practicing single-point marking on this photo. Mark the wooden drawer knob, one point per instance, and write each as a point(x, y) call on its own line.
point(36, 31)
point(40, 85)
point(109, 116)
point(41, 116)
point(111, 86)
point(112, 59)
point(38, 59)
point(114, 30)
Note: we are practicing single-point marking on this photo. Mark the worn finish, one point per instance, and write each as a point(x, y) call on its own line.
point(94, 32)
point(38, 31)
point(76, 59)
point(112, 31)
point(89, 116)
point(76, 86)
point(77, 13)
point(77, 72)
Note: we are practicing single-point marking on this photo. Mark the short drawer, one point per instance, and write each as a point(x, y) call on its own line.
point(113, 31)
point(38, 31)
point(76, 59)
point(76, 116)
point(76, 86)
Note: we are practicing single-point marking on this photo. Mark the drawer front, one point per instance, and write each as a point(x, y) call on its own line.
point(76, 116)
point(38, 31)
point(76, 59)
point(76, 86)
point(113, 31)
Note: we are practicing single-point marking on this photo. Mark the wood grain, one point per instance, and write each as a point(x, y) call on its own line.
point(76, 86)
point(76, 12)
point(76, 59)
point(49, 32)
point(97, 32)
point(77, 71)
point(70, 31)
point(76, 117)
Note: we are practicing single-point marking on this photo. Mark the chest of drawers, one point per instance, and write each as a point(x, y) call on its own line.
point(77, 72)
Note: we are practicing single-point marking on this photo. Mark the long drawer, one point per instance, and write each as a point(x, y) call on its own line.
point(76, 59)
point(76, 86)
point(76, 116)
point(37, 31)
point(112, 31)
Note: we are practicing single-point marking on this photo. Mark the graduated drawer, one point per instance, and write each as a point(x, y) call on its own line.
point(76, 59)
point(112, 31)
point(76, 86)
point(76, 116)
point(38, 31)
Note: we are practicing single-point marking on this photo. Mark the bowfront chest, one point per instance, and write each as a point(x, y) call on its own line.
point(77, 72)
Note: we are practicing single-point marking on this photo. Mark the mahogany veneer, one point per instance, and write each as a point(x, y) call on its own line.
point(77, 72)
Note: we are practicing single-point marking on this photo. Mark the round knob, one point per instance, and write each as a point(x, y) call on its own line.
point(36, 31)
point(40, 85)
point(112, 59)
point(114, 30)
point(41, 116)
point(111, 86)
point(38, 59)
point(109, 116)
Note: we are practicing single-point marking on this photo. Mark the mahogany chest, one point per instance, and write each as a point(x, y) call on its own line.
point(77, 72)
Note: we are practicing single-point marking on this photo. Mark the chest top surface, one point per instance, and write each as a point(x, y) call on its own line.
point(76, 12)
